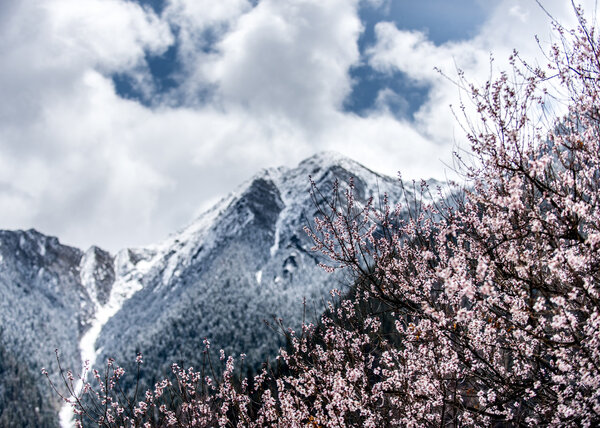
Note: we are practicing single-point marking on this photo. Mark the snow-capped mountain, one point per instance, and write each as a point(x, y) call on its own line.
point(242, 262)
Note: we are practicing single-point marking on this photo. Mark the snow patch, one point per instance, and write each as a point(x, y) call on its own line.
point(170, 270)
point(275, 246)
point(259, 276)
point(87, 267)
point(122, 290)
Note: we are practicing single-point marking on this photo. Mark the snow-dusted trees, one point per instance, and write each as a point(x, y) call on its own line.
point(481, 309)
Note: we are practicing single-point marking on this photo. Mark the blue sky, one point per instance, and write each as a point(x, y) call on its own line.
point(442, 21)
point(122, 120)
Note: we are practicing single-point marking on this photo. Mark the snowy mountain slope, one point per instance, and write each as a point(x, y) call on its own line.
point(43, 306)
point(244, 261)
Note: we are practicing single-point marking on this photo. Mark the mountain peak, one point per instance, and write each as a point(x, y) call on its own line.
point(327, 159)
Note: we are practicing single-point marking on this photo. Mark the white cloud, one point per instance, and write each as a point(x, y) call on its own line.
point(110, 35)
point(377, 3)
point(78, 161)
point(48, 45)
point(195, 16)
point(289, 59)
point(513, 24)
point(56, 141)
point(199, 23)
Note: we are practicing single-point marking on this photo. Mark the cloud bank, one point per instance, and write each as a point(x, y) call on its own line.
point(258, 84)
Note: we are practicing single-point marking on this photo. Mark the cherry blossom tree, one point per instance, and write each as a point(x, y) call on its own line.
point(479, 309)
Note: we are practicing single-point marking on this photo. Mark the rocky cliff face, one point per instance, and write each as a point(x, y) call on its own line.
point(244, 261)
